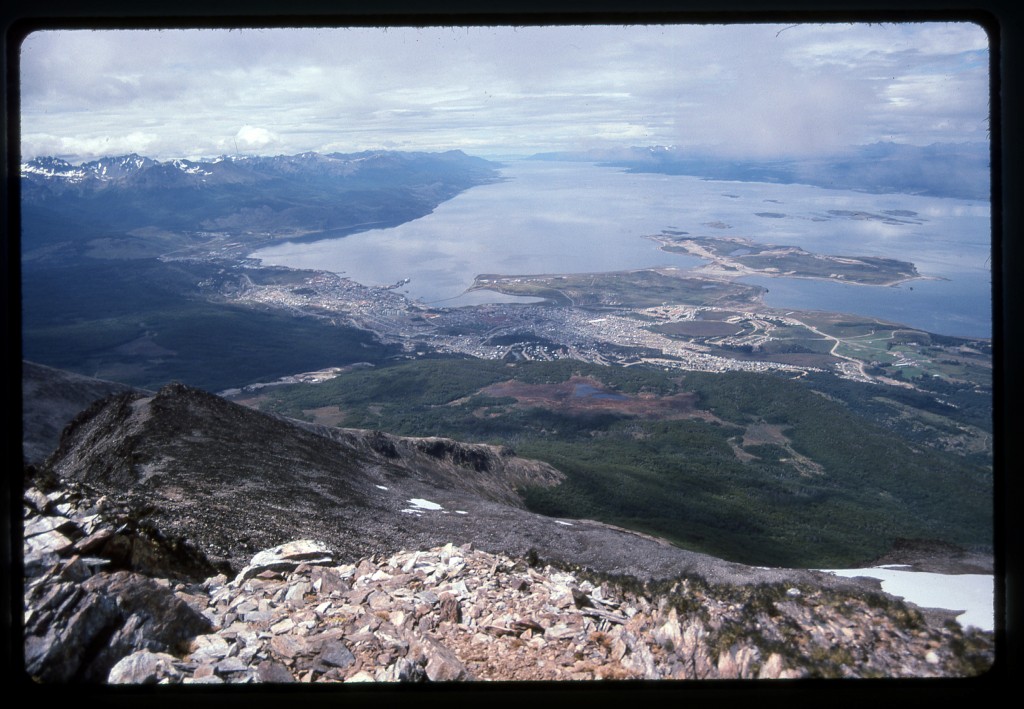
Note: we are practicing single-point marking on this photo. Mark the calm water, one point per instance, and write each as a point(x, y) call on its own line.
point(578, 218)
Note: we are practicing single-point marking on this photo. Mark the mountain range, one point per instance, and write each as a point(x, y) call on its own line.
point(122, 257)
point(959, 170)
point(137, 171)
point(252, 198)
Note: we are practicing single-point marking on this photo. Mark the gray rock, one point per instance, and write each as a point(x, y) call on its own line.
point(231, 664)
point(48, 542)
point(208, 647)
point(36, 500)
point(78, 569)
point(144, 667)
point(337, 654)
point(106, 618)
point(58, 653)
point(149, 617)
point(286, 557)
point(442, 665)
point(273, 673)
point(209, 679)
point(39, 525)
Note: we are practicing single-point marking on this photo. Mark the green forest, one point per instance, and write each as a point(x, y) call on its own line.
point(763, 470)
point(148, 324)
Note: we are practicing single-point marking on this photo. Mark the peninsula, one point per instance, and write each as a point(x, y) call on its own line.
point(736, 256)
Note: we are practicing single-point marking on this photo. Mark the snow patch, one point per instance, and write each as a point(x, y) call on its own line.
point(190, 169)
point(61, 171)
point(424, 504)
point(972, 595)
point(419, 505)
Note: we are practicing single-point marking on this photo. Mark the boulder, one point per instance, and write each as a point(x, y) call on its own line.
point(111, 617)
point(144, 667)
point(286, 557)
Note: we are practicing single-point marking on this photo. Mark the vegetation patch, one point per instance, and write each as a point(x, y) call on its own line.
point(824, 487)
point(625, 289)
point(149, 324)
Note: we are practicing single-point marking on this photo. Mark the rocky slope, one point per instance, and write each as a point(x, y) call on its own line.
point(50, 399)
point(110, 600)
point(160, 545)
point(231, 481)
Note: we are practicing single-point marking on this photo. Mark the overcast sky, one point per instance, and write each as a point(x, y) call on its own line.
point(748, 91)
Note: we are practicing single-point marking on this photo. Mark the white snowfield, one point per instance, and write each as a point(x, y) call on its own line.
point(418, 505)
point(970, 594)
point(424, 504)
point(973, 594)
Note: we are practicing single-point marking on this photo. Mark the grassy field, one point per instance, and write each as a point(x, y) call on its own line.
point(621, 289)
point(733, 252)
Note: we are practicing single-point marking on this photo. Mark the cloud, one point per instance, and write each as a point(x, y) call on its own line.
point(87, 148)
point(755, 90)
point(254, 138)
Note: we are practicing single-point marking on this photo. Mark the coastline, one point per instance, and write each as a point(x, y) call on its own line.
point(720, 266)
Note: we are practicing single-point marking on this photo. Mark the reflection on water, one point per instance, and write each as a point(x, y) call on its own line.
point(959, 306)
point(578, 218)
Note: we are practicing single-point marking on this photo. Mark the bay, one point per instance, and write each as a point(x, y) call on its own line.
point(551, 217)
point(954, 307)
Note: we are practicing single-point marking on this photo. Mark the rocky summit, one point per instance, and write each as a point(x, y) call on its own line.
point(109, 602)
point(176, 538)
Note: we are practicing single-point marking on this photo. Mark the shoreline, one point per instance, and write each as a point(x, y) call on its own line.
point(740, 271)
point(722, 267)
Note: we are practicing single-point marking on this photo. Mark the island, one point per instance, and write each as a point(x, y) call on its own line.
point(736, 256)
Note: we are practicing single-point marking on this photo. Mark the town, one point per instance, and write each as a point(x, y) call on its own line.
point(754, 338)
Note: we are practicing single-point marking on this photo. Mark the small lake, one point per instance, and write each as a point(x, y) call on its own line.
point(551, 217)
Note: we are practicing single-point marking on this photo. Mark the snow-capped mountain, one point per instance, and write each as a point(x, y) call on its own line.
point(53, 168)
point(120, 167)
point(284, 194)
point(104, 169)
point(133, 169)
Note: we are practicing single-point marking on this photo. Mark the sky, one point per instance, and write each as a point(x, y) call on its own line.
point(752, 91)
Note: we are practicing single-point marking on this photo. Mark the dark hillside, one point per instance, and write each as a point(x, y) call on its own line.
point(118, 256)
point(752, 467)
point(229, 481)
point(147, 322)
